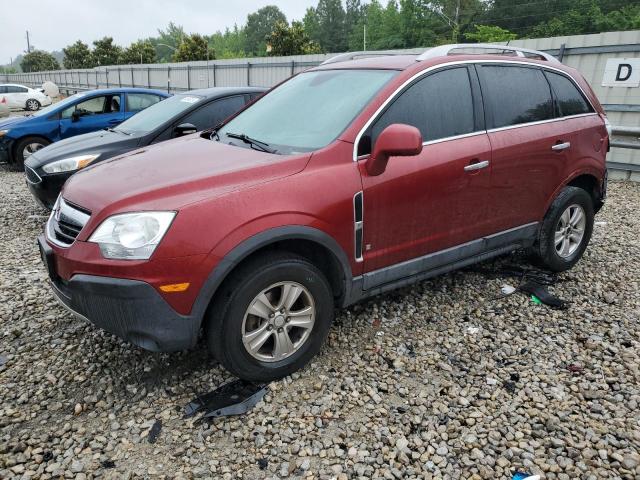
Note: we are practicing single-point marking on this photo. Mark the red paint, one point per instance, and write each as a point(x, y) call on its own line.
point(413, 206)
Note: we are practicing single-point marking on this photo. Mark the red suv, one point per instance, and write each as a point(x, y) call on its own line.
point(347, 180)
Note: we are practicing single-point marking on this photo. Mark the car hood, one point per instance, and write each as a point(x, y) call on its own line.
point(171, 174)
point(103, 141)
point(13, 121)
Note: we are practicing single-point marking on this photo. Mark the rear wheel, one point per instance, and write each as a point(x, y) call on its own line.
point(566, 230)
point(27, 147)
point(32, 105)
point(270, 318)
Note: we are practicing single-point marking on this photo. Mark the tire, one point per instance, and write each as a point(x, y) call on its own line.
point(560, 244)
point(32, 105)
point(229, 317)
point(28, 143)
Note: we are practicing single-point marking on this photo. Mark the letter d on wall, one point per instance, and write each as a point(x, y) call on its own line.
point(622, 72)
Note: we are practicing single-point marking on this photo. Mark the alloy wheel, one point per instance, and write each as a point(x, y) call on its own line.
point(32, 105)
point(570, 230)
point(30, 149)
point(278, 322)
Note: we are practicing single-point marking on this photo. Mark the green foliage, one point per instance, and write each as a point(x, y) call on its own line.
point(39, 61)
point(290, 40)
point(331, 33)
point(141, 51)
point(105, 52)
point(171, 36)
point(5, 69)
point(259, 25)
point(489, 33)
point(77, 55)
point(229, 44)
point(193, 47)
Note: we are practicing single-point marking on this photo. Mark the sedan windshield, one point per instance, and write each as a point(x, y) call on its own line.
point(308, 112)
point(156, 115)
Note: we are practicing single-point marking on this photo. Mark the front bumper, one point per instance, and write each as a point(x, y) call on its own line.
point(5, 150)
point(131, 309)
point(45, 188)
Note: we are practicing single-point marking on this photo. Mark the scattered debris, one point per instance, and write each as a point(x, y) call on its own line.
point(155, 431)
point(524, 476)
point(108, 464)
point(263, 463)
point(510, 386)
point(539, 292)
point(575, 368)
point(232, 398)
point(46, 456)
point(473, 330)
point(507, 289)
point(600, 224)
point(536, 300)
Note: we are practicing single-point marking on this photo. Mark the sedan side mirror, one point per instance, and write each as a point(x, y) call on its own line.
point(75, 116)
point(184, 129)
point(397, 140)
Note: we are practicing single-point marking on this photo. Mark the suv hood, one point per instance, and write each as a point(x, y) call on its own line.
point(104, 142)
point(171, 174)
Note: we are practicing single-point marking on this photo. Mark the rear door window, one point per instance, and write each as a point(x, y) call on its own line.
point(515, 95)
point(140, 101)
point(568, 98)
point(440, 105)
point(214, 112)
point(16, 89)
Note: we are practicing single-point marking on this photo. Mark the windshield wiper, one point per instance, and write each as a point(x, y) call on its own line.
point(252, 141)
point(111, 129)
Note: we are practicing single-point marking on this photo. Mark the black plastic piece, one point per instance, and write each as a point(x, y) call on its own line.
point(543, 295)
point(232, 398)
point(155, 431)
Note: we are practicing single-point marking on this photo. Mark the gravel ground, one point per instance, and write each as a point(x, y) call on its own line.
point(440, 380)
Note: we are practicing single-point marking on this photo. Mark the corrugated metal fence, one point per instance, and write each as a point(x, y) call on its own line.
point(587, 53)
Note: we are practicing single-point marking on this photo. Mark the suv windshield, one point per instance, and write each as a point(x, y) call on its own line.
point(309, 111)
point(156, 115)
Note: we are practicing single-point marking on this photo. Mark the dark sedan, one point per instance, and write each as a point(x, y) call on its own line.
point(48, 169)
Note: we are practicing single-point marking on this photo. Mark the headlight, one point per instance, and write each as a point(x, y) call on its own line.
point(132, 236)
point(70, 164)
point(3, 132)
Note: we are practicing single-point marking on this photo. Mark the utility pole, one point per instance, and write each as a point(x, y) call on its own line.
point(364, 38)
point(28, 44)
point(456, 23)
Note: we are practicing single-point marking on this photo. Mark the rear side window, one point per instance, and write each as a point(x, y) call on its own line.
point(15, 89)
point(569, 99)
point(439, 105)
point(515, 95)
point(140, 101)
point(214, 112)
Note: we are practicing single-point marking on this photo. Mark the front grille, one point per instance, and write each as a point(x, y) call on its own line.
point(31, 175)
point(66, 222)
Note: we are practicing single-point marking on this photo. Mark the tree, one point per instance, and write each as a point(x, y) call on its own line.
point(259, 25)
point(312, 25)
point(77, 55)
point(141, 51)
point(171, 36)
point(332, 35)
point(39, 61)
point(229, 44)
point(489, 33)
point(193, 47)
point(105, 52)
point(285, 40)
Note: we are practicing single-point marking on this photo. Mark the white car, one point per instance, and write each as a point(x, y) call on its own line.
point(19, 97)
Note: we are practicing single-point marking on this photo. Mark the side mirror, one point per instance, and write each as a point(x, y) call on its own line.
point(75, 116)
point(184, 129)
point(397, 140)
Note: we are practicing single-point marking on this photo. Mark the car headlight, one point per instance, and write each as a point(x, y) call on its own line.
point(3, 132)
point(70, 164)
point(132, 236)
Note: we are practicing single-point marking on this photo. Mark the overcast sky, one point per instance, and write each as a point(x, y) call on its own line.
point(54, 24)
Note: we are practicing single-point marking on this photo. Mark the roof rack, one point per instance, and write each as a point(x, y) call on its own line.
point(345, 57)
point(444, 50)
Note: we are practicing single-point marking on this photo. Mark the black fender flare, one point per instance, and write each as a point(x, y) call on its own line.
point(263, 239)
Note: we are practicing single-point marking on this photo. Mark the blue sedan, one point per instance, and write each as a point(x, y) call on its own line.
point(81, 113)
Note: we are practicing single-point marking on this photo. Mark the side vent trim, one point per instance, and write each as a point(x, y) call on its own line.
point(358, 216)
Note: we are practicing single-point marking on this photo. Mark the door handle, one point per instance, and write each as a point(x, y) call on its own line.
point(558, 147)
point(476, 166)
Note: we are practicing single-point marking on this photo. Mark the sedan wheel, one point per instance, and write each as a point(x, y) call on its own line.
point(30, 149)
point(278, 321)
point(32, 105)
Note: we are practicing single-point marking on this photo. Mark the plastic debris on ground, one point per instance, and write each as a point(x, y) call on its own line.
point(542, 295)
point(473, 330)
point(232, 398)
point(155, 431)
point(507, 289)
point(524, 476)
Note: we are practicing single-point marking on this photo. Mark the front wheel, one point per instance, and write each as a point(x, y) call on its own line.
point(271, 317)
point(566, 230)
point(27, 147)
point(32, 105)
